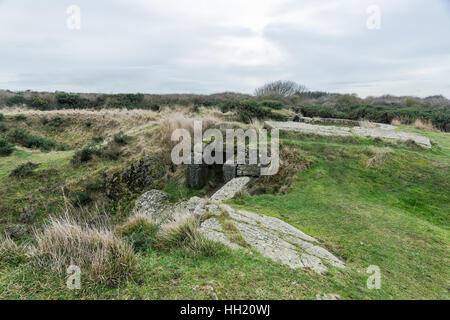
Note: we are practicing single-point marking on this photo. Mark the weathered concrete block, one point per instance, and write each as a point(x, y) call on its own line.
point(229, 171)
point(196, 175)
point(250, 170)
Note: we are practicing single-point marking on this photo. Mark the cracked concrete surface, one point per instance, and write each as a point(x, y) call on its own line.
point(379, 131)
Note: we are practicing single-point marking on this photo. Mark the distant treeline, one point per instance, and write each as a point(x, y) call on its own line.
point(383, 109)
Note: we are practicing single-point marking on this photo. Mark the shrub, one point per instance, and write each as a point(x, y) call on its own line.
point(98, 139)
point(20, 117)
point(248, 109)
point(271, 104)
point(82, 198)
point(15, 100)
point(84, 155)
point(121, 138)
point(28, 140)
point(2, 117)
point(6, 148)
point(111, 153)
point(24, 170)
point(11, 252)
point(184, 233)
point(228, 105)
point(44, 120)
point(40, 103)
point(73, 101)
point(3, 127)
point(102, 256)
point(281, 88)
point(56, 122)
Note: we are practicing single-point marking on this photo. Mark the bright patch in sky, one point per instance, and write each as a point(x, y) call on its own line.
point(206, 46)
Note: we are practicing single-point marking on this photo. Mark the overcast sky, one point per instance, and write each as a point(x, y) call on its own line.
point(207, 46)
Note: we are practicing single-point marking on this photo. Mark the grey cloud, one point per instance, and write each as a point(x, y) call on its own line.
point(155, 47)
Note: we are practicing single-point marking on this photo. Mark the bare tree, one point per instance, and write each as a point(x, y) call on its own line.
point(282, 88)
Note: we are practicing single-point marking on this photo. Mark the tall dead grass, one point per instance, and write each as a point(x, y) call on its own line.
point(180, 120)
point(418, 123)
point(424, 125)
point(99, 253)
point(177, 230)
point(13, 253)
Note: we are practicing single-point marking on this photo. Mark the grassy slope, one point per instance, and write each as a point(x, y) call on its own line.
point(394, 215)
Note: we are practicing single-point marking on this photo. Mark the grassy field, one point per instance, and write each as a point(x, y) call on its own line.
point(369, 202)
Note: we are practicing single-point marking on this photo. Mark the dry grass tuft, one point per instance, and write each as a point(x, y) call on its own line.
point(377, 158)
point(101, 255)
point(184, 233)
point(256, 124)
point(424, 124)
point(11, 252)
point(291, 163)
point(178, 120)
point(367, 124)
point(418, 123)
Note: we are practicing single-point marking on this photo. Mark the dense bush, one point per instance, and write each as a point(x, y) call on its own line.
point(72, 101)
point(6, 148)
point(15, 100)
point(382, 114)
point(24, 170)
point(40, 103)
point(3, 127)
point(121, 138)
point(28, 140)
point(2, 117)
point(20, 117)
point(271, 104)
point(56, 122)
point(98, 139)
point(84, 155)
point(140, 231)
point(249, 109)
point(82, 198)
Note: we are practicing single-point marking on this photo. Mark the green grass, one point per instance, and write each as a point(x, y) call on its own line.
point(393, 213)
point(177, 275)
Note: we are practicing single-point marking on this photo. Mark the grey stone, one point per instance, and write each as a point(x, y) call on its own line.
point(28, 214)
point(195, 205)
point(229, 190)
point(328, 296)
point(272, 223)
point(212, 230)
point(248, 170)
point(140, 175)
point(229, 171)
point(380, 131)
point(196, 175)
point(153, 203)
point(16, 231)
point(273, 238)
point(270, 245)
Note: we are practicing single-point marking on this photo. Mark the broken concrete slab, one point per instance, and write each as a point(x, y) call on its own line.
point(379, 131)
point(229, 190)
